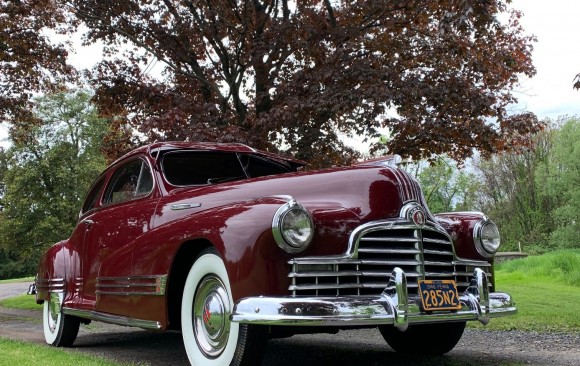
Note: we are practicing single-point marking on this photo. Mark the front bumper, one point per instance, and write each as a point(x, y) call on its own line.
point(392, 307)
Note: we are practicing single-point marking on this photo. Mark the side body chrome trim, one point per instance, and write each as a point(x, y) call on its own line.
point(113, 319)
point(50, 285)
point(185, 206)
point(155, 285)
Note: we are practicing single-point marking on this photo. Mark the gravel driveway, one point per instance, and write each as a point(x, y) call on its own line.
point(354, 347)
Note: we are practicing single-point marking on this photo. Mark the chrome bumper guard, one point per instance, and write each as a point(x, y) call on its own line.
point(392, 307)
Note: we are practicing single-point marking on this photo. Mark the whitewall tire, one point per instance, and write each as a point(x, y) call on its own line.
point(60, 330)
point(209, 337)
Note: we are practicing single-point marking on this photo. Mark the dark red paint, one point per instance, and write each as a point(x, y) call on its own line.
point(142, 237)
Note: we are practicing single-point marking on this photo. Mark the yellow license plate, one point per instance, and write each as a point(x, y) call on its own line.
point(439, 295)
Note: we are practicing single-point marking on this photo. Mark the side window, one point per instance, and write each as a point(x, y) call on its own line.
point(93, 195)
point(130, 181)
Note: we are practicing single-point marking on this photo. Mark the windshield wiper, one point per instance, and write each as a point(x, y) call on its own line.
point(223, 179)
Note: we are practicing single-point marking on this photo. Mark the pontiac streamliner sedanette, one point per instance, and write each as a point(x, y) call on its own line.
point(233, 246)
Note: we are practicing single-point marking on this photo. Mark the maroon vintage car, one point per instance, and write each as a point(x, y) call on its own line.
point(232, 246)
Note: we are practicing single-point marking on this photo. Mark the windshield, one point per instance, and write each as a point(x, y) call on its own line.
point(187, 168)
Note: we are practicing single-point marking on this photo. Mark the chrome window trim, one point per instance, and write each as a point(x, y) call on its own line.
point(138, 197)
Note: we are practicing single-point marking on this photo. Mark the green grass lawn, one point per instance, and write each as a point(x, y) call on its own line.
point(28, 354)
point(26, 302)
point(546, 289)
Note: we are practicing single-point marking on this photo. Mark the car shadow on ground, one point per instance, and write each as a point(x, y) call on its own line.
point(303, 351)
point(150, 348)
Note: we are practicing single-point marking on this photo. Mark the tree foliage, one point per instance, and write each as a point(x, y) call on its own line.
point(47, 176)
point(559, 182)
point(29, 62)
point(511, 196)
point(534, 194)
point(446, 187)
point(3, 168)
point(295, 75)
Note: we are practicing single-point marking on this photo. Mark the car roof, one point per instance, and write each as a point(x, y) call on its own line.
point(157, 147)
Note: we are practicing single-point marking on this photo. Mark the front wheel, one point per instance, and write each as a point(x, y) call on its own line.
point(424, 339)
point(209, 336)
point(60, 330)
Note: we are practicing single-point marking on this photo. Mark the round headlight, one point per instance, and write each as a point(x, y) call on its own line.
point(292, 227)
point(486, 238)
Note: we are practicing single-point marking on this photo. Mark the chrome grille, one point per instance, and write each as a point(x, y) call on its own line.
point(422, 253)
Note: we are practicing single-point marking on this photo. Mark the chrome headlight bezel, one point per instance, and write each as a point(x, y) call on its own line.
point(486, 238)
point(292, 227)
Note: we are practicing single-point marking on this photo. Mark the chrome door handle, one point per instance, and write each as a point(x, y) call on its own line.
point(88, 222)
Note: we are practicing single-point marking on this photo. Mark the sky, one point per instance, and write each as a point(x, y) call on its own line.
point(556, 56)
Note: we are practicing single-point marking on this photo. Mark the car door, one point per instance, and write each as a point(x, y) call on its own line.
point(75, 245)
point(126, 211)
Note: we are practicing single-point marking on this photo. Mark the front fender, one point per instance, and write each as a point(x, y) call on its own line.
point(460, 226)
point(242, 235)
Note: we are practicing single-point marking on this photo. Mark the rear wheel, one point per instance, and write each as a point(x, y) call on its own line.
point(209, 336)
point(60, 330)
point(425, 339)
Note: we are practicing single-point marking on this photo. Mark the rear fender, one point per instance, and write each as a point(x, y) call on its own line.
point(53, 274)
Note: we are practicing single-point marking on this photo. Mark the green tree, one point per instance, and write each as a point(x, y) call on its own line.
point(30, 62)
point(510, 194)
point(47, 175)
point(3, 168)
point(559, 182)
point(445, 186)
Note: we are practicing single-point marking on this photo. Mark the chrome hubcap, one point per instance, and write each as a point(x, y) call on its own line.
point(53, 311)
point(211, 309)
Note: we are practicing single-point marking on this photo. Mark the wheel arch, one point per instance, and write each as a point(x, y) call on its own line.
point(183, 260)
